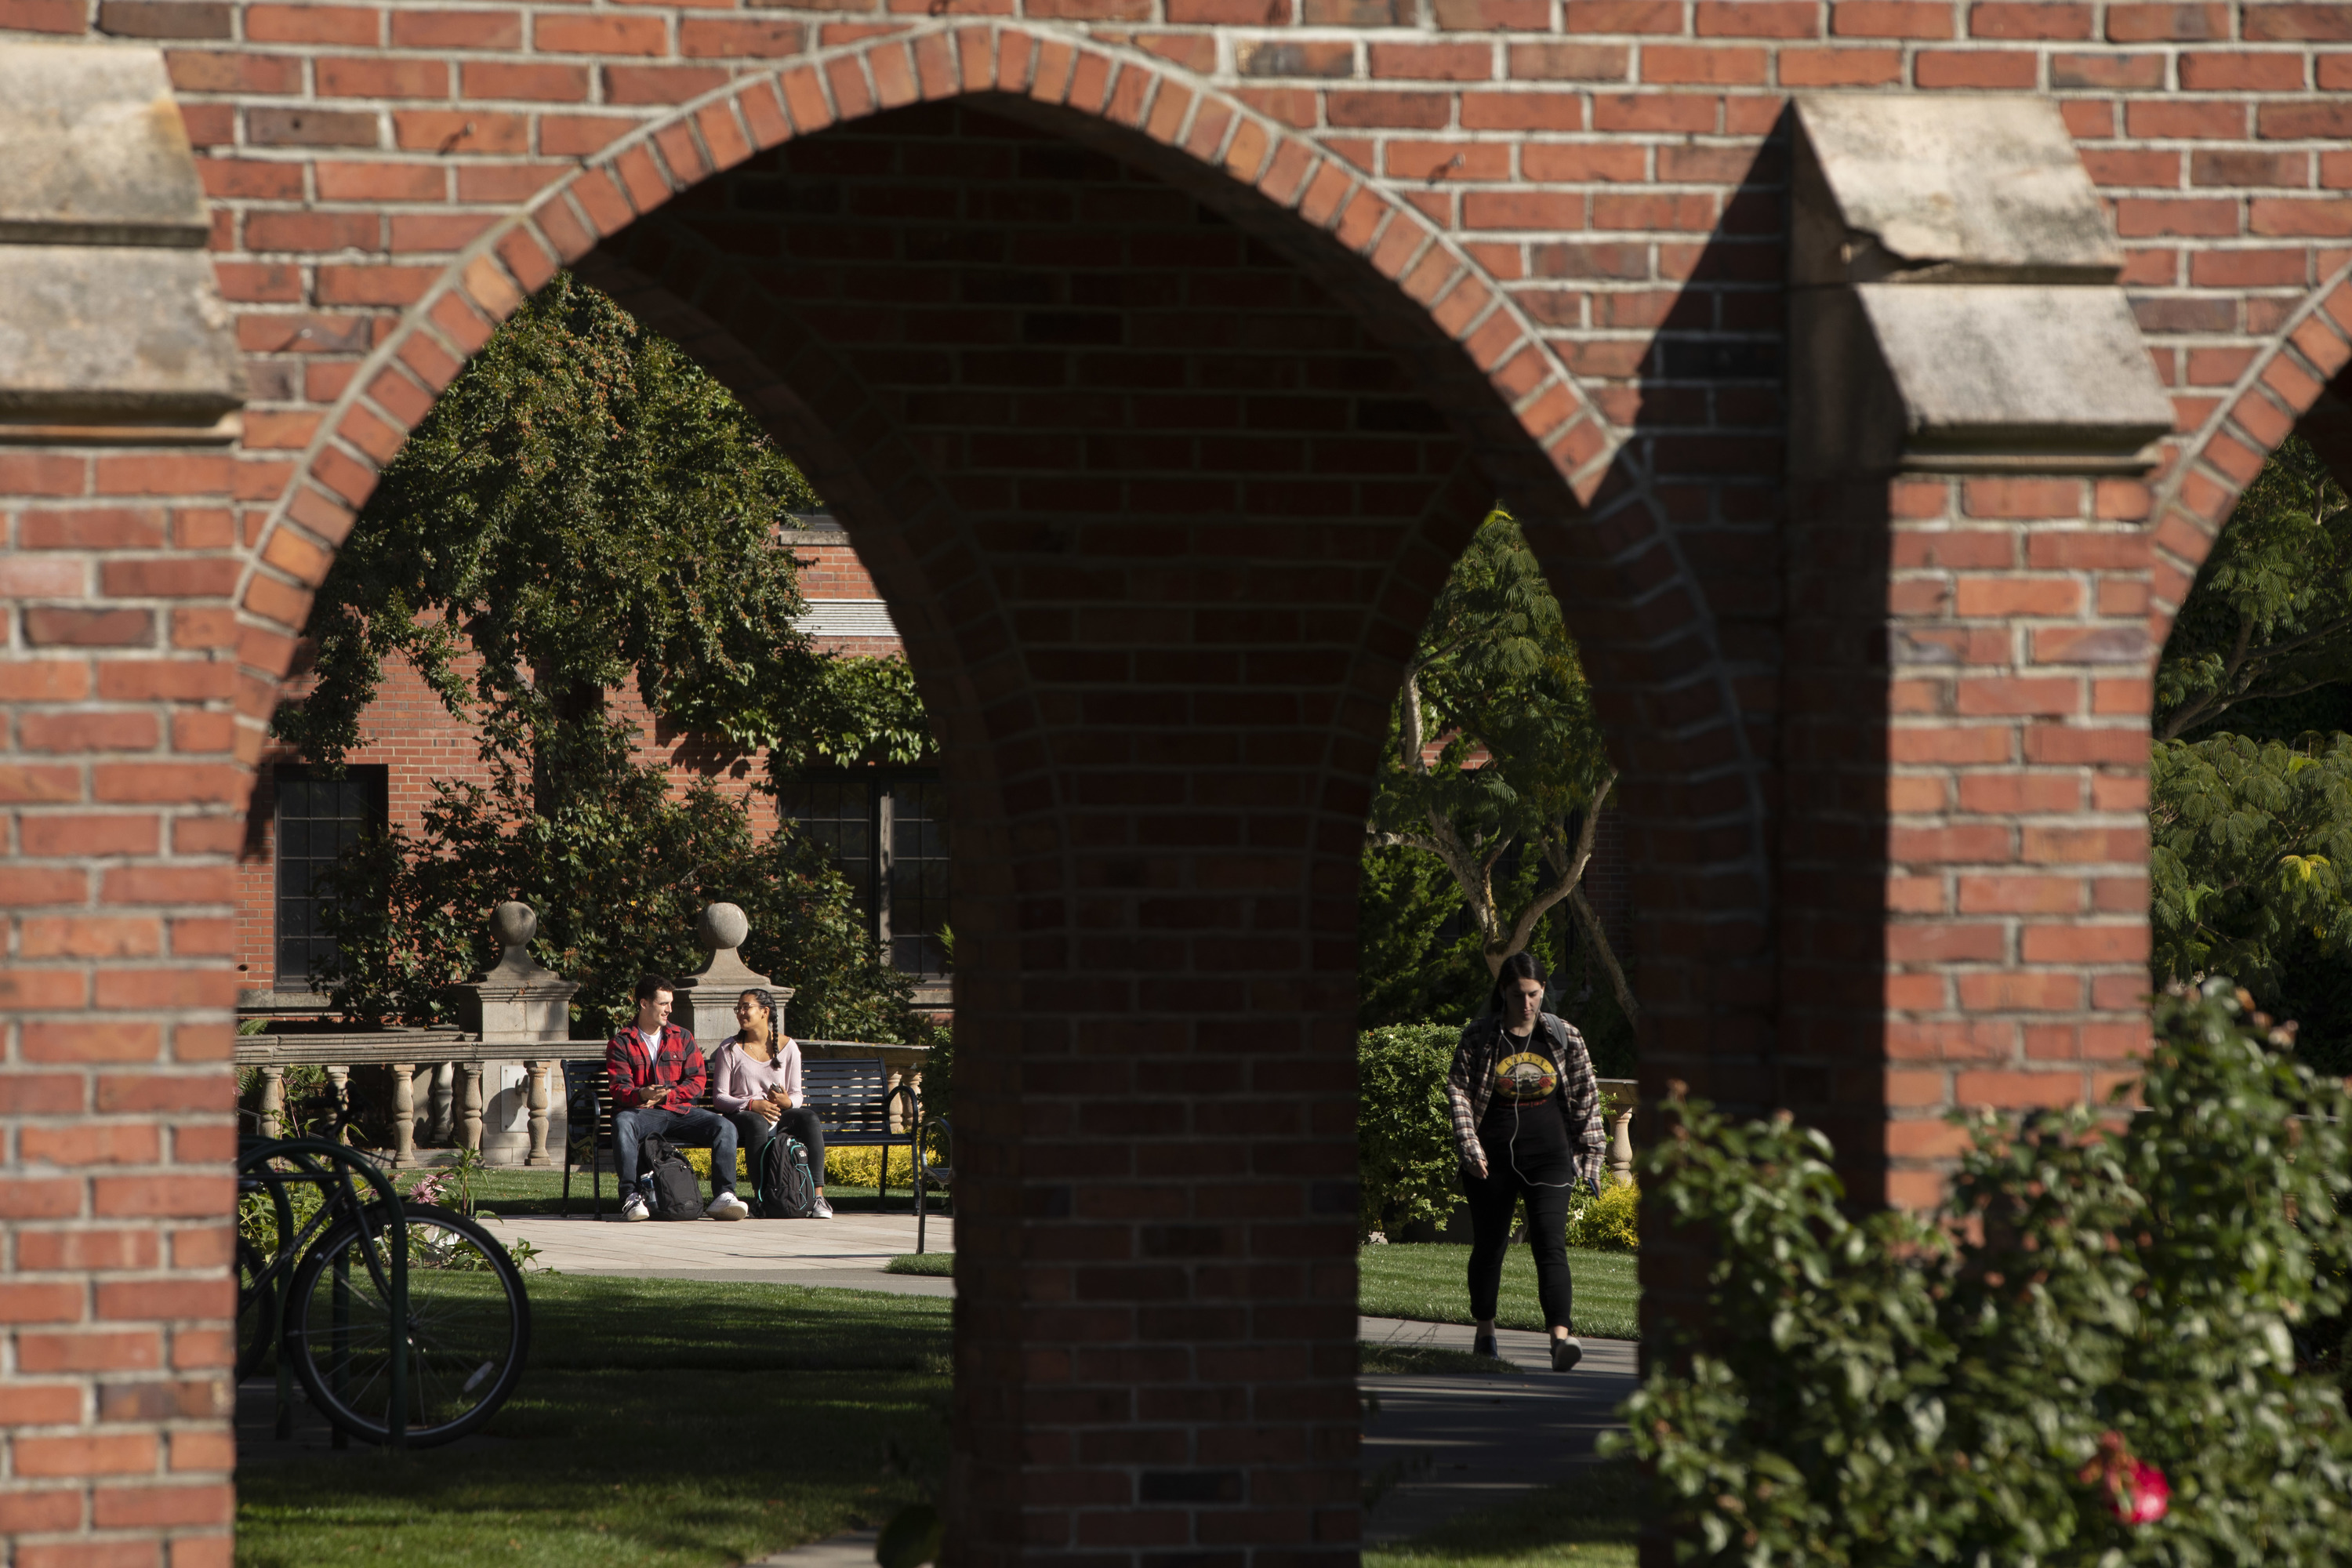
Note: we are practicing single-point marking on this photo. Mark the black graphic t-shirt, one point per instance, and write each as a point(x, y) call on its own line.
point(1524, 1116)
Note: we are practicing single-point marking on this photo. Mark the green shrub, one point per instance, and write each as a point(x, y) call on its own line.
point(1961, 1387)
point(1404, 1133)
point(1609, 1223)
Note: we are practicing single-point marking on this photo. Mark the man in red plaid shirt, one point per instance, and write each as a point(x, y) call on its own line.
point(657, 1074)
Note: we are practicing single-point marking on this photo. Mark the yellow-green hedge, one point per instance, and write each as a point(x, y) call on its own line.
point(1610, 1222)
point(847, 1167)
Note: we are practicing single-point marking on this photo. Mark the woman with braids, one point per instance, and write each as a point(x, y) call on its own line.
point(756, 1080)
point(1527, 1122)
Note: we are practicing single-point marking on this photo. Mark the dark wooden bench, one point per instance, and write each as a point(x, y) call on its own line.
point(852, 1096)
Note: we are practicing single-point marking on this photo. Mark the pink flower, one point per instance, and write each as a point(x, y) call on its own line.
point(2150, 1495)
point(2137, 1492)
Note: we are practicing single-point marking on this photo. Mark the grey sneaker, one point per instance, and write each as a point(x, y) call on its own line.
point(633, 1207)
point(821, 1209)
point(1484, 1345)
point(1566, 1354)
point(725, 1205)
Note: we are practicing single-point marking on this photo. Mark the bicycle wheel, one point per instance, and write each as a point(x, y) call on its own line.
point(256, 1306)
point(468, 1328)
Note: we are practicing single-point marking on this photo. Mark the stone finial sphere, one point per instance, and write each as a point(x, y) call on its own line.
point(721, 926)
point(514, 923)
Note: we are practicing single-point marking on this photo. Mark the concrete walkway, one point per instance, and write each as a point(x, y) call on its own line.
point(848, 1250)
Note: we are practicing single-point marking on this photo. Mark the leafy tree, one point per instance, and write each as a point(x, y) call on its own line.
point(2270, 617)
point(2248, 875)
point(585, 507)
point(617, 869)
point(1521, 771)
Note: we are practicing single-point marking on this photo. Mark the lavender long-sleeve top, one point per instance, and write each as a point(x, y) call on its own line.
point(736, 1081)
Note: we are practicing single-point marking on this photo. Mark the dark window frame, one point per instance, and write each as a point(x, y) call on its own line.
point(365, 785)
point(906, 854)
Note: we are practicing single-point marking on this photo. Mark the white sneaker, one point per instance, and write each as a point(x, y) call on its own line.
point(820, 1209)
point(633, 1207)
point(725, 1205)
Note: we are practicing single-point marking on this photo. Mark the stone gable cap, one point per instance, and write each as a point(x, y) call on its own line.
point(1951, 190)
point(1985, 366)
point(93, 151)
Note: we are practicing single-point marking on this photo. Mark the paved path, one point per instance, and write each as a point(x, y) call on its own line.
point(1452, 1442)
point(849, 1249)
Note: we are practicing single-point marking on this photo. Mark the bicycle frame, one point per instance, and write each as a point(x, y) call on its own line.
point(255, 1171)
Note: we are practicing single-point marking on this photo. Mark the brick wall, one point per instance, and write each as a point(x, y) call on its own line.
point(1532, 247)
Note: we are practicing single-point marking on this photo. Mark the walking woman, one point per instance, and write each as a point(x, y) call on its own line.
point(756, 1080)
point(1527, 1122)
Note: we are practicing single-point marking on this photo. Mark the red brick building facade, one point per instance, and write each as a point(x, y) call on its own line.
point(1158, 355)
point(410, 743)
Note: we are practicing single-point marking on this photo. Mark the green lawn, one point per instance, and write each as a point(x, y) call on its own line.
point(1590, 1521)
point(1428, 1281)
point(759, 1416)
point(936, 1265)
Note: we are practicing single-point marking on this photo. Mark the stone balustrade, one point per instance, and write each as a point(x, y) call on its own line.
point(516, 1024)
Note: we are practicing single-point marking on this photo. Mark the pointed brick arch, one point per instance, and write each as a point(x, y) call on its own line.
point(1122, 86)
point(2220, 460)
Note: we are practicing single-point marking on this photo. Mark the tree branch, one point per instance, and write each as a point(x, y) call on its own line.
point(1591, 922)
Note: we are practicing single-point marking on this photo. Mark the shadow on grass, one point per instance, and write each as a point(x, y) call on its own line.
point(659, 1422)
point(1593, 1519)
point(1429, 1282)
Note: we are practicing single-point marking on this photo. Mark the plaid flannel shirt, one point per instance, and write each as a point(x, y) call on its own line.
point(638, 1066)
point(1470, 1087)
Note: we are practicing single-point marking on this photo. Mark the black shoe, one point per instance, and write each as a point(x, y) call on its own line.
point(1484, 1345)
point(1566, 1354)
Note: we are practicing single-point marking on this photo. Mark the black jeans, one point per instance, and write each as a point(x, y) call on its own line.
point(1492, 1198)
point(800, 1122)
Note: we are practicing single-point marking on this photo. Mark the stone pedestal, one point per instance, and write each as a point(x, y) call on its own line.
point(506, 1108)
point(706, 999)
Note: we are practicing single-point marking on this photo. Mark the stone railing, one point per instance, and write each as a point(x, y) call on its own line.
point(493, 1084)
point(1620, 1092)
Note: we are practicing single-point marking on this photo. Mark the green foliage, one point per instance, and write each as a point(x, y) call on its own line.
point(2253, 845)
point(617, 870)
point(1407, 969)
point(1406, 1162)
point(868, 711)
point(1611, 1222)
point(583, 507)
point(2270, 617)
point(1521, 762)
point(1891, 1390)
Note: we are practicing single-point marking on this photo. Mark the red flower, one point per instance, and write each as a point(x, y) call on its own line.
point(2137, 1492)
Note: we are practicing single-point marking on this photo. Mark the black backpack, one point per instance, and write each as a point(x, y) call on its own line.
point(781, 1179)
point(677, 1192)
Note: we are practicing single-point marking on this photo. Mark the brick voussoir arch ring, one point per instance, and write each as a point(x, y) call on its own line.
point(395, 387)
point(2276, 389)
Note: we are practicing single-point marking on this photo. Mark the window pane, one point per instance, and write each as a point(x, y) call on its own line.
point(919, 875)
point(317, 819)
point(836, 813)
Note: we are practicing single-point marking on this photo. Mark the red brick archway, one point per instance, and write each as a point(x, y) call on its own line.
point(1218, 887)
point(2277, 388)
point(1873, 884)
